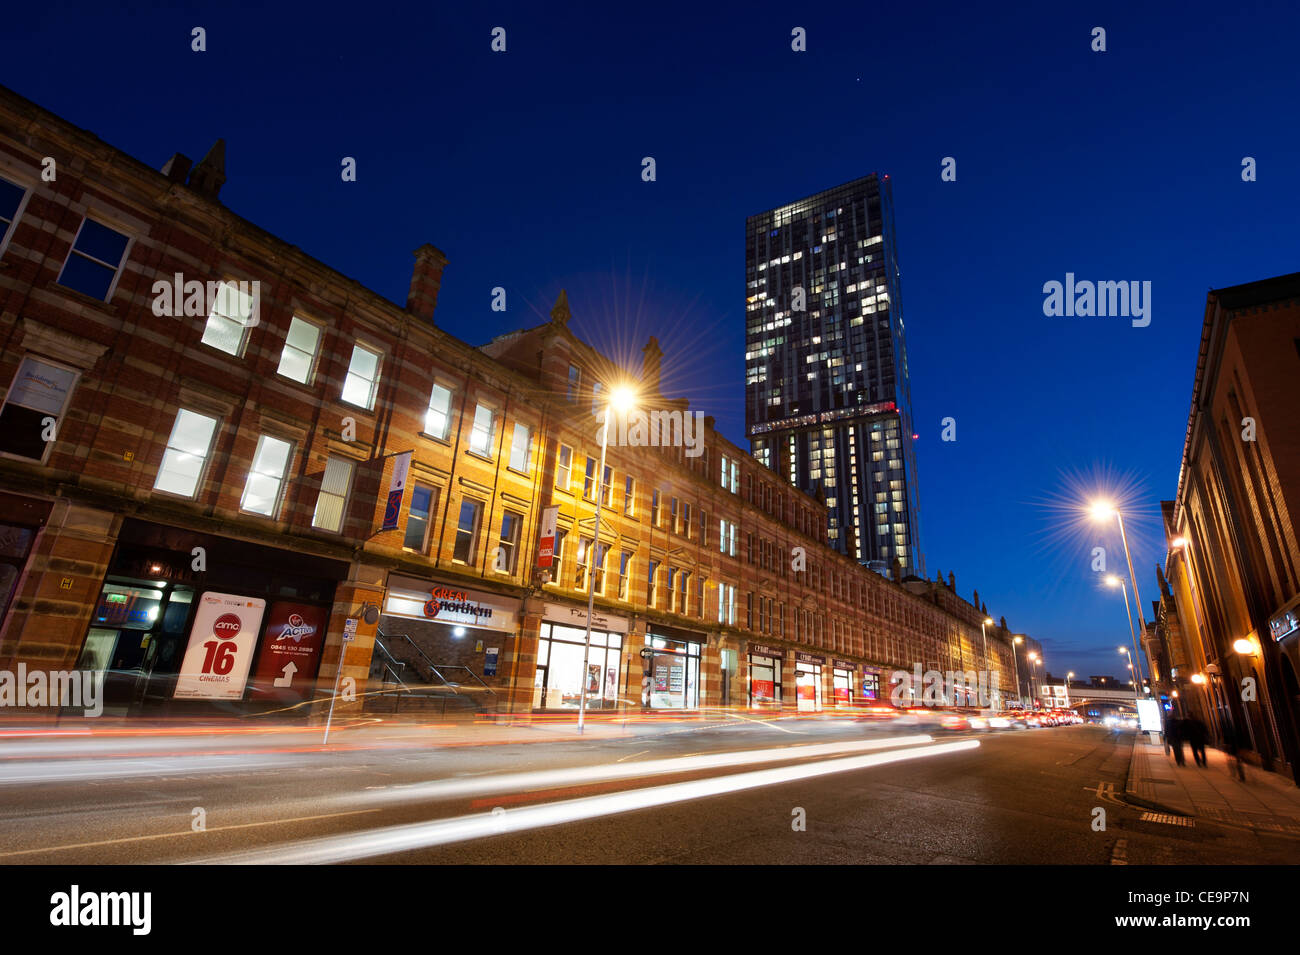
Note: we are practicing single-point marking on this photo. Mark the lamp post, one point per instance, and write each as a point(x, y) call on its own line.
point(1069, 676)
point(1133, 676)
point(1102, 510)
point(1034, 660)
point(620, 398)
point(984, 638)
point(1114, 581)
point(1015, 642)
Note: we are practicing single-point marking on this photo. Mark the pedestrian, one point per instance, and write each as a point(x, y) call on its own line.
point(1233, 750)
point(1175, 736)
point(1196, 734)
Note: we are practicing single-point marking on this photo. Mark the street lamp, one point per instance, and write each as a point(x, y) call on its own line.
point(1015, 642)
point(1114, 581)
point(985, 638)
point(1034, 660)
point(1132, 675)
point(1068, 677)
point(620, 399)
point(1102, 511)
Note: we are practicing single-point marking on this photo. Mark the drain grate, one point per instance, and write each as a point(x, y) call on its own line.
point(1167, 819)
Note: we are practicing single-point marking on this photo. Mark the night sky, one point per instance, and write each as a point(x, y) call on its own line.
point(525, 168)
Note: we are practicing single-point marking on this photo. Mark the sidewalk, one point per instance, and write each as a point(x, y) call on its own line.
point(1265, 802)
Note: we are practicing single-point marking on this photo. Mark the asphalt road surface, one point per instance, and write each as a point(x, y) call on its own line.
point(793, 791)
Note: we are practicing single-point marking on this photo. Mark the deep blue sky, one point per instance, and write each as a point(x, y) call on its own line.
point(524, 168)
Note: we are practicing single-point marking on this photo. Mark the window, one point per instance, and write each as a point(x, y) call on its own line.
point(704, 528)
point(699, 596)
point(629, 497)
point(437, 420)
point(12, 196)
point(40, 390)
point(687, 528)
point(683, 604)
point(298, 358)
point(363, 377)
point(186, 454)
point(466, 549)
point(654, 507)
point(651, 583)
point(595, 398)
point(575, 376)
point(602, 551)
point(508, 545)
point(333, 497)
point(727, 537)
point(730, 474)
point(672, 515)
point(589, 480)
point(580, 564)
point(419, 518)
point(624, 569)
point(94, 261)
point(266, 476)
point(563, 467)
point(727, 604)
point(481, 433)
point(519, 446)
point(749, 610)
point(607, 486)
point(229, 320)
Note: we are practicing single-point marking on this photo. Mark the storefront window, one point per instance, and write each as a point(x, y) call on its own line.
point(764, 681)
point(674, 674)
point(560, 680)
point(843, 686)
point(808, 686)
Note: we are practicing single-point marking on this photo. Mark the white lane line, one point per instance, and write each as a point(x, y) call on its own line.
point(630, 755)
point(393, 839)
point(188, 832)
point(552, 778)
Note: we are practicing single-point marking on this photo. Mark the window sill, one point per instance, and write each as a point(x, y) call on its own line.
point(82, 297)
point(434, 438)
point(479, 454)
point(344, 401)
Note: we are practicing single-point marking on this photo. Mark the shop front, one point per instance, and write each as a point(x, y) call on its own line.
point(188, 622)
point(843, 673)
point(808, 681)
point(673, 667)
point(870, 684)
point(561, 681)
point(439, 633)
point(765, 665)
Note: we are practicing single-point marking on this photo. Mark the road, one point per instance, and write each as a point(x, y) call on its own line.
point(738, 792)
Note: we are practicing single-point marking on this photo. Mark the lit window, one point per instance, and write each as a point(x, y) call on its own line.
point(437, 419)
point(575, 376)
point(334, 494)
point(298, 359)
point(229, 320)
point(187, 452)
point(266, 476)
point(629, 496)
point(363, 377)
point(480, 435)
point(519, 446)
point(95, 260)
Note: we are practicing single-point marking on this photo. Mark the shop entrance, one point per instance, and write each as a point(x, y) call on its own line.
point(764, 681)
point(561, 683)
point(808, 686)
point(674, 673)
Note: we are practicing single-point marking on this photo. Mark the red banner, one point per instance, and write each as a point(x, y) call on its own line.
point(291, 652)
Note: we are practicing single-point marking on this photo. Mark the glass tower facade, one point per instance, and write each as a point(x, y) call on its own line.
point(827, 399)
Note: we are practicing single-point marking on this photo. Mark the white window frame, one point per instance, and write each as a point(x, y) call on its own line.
point(347, 495)
point(474, 429)
point(281, 481)
point(207, 454)
point(72, 250)
point(244, 324)
point(560, 466)
point(451, 401)
point(315, 355)
point(522, 468)
point(512, 543)
point(18, 212)
point(475, 535)
point(434, 493)
point(374, 385)
point(63, 410)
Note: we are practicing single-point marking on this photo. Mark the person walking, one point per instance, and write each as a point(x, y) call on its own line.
point(1174, 733)
point(1196, 734)
point(1234, 751)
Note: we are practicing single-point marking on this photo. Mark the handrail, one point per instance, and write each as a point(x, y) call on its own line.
point(455, 666)
point(434, 668)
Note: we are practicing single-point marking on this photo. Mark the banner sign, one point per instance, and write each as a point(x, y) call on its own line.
point(220, 650)
point(546, 545)
point(290, 655)
point(577, 617)
point(801, 657)
point(396, 488)
point(844, 664)
point(762, 650)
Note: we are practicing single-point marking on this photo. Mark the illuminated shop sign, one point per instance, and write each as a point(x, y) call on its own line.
point(1283, 624)
point(429, 600)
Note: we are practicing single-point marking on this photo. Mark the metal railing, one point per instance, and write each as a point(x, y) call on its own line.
point(444, 689)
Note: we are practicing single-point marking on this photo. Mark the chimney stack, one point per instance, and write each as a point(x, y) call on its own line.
point(177, 168)
point(426, 279)
point(652, 358)
point(210, 174)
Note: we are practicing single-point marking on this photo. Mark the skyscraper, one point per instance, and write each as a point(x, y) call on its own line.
point(827, 399)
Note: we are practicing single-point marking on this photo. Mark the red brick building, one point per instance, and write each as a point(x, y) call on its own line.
point(202, 426)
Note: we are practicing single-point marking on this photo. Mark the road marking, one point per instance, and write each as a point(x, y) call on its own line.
point(187, 832)
point(621, 758)
point(405, 838)
point(1167, 819)
point(767, 723)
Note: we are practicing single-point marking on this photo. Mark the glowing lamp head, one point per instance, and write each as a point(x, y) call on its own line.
point(1198, 679)
point(622, 398)
point(1101, 510)
point(988, 621)
point(1113, 581)
point(1178, 543)
point(1244, 646)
